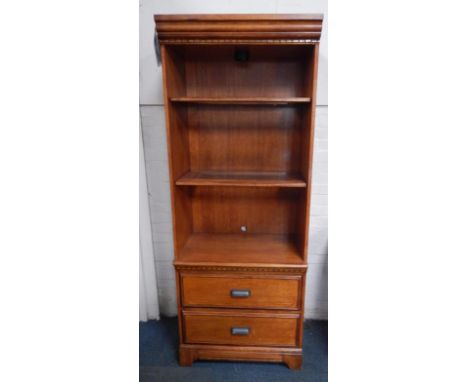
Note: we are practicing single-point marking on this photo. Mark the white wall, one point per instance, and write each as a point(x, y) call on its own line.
point(155, 148)
point(149, 302)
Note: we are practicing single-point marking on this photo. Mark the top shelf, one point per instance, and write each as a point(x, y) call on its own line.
point(242, 100)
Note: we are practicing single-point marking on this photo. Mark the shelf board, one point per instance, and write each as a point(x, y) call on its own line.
point(239, 249)
point(243, 100)
point(241, 179)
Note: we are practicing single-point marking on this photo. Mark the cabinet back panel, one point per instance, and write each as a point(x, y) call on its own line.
point(245, 138)
point(260, 210)
point(212, 71)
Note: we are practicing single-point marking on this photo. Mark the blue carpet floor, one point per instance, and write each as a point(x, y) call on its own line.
point(158, 359)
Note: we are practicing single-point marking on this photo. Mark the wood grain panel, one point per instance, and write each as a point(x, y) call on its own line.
point(260, 210)
point(213, 72)
point(241, 179)
point(290, 356)
point(240, 249)
point(245, 138)
point(194, 28)
point(242, 100)
point(308, 129)
point(178, 147)
point(239, 17)
point(215, 328)
point(280, 292)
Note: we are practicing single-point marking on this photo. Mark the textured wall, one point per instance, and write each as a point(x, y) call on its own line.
point(155, 147)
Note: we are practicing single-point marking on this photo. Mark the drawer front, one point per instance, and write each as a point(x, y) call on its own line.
point(275, 292)
point(241, 330)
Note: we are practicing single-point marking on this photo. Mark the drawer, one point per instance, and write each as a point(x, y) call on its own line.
point(262, 292)
point(223, 328)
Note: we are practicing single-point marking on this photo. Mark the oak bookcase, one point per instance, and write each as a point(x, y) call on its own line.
point(240, 94)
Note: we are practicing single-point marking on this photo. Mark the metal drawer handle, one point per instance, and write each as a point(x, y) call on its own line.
point(240, 331)
point(240, 293)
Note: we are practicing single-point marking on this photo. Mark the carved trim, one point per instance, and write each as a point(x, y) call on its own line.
point(245, 42)
point(242, 313)
point(238, 269)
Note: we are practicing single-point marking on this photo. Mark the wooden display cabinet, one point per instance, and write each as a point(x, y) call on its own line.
point(240, 94)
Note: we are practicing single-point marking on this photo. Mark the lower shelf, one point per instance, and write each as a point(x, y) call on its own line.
point(239, 249)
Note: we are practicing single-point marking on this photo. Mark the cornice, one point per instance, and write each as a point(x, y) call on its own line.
point(236, 29)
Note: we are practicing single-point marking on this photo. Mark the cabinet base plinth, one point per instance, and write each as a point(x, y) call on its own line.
point(292, 357)
point(185, 357)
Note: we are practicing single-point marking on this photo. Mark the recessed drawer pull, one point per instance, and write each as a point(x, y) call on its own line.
point(240, 331)
point(240, 292)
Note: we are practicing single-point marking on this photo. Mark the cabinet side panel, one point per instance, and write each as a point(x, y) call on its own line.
point(178, 146)
point(310, 84)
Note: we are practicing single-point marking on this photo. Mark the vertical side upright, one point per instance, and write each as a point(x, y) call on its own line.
point(178, 158)
point(308, 146)
point(178, 144)
point(307, 159)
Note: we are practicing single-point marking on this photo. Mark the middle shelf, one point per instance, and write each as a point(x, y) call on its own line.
point(241, 179)
point(242, 100)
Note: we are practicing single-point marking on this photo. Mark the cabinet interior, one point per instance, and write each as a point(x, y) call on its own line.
point(240, 150)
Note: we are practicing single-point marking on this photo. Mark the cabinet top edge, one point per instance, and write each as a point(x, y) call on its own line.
point(240, 17)
point(238, 28)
